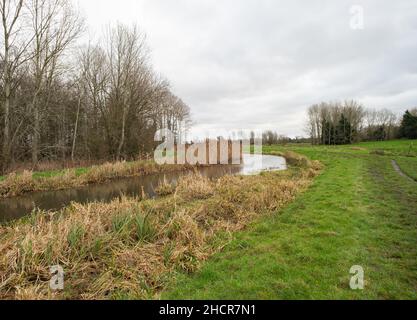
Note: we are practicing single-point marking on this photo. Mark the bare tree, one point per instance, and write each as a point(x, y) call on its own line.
point(13, 56)
point(108, 104)
point(55, 26)
point(326, 120)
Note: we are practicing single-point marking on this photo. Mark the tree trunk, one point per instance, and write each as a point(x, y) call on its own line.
point(76, 129)
point(7, 79)
point(36, 135)
point(6, 131)
point(122, 138)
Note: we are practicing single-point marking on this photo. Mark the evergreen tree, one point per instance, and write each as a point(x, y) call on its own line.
point(409, 126)
point(379, 134)
point(328, 133)
point(343, 131)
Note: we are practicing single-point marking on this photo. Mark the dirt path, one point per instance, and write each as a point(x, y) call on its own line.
point(400, 172)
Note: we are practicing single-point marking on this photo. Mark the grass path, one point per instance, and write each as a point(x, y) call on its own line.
point(358, 212)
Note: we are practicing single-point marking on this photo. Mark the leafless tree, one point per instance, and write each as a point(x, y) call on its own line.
point(55, 25)
point(105, 105)
point(13, 55)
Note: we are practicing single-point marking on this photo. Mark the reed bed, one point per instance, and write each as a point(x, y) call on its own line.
point(19, 184)
point(131, 248)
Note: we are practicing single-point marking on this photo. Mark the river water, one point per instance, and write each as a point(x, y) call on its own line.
point(18, 207)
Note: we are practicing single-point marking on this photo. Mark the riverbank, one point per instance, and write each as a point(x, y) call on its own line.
point(133, 249)
point(18, 184)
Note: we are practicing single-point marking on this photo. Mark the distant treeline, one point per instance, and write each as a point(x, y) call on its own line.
point(61, 102)
point(271, 137)
point(349, 122)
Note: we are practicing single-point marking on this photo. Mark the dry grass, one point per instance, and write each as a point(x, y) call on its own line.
point(51, 165)
point(297, 160)
point(131, 248)
point(165, 188)
point(194, 186)
point(18, 184)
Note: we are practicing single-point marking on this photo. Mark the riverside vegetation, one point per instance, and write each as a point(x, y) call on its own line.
point(133, 248)
point(18, 184)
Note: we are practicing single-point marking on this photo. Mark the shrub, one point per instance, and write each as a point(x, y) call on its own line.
point(297, 160)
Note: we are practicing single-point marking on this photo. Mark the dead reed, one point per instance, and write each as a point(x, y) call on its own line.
point(131, 248)
point(18, 184)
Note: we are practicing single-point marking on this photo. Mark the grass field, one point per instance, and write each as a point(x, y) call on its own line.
point(408, 165)
point(280, 235)
point(358, 212)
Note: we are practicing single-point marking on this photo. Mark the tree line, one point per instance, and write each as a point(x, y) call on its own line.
point(338, 123)
point(60, 102)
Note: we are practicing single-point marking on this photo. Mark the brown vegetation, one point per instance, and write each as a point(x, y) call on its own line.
point(18, 184)
point(131, 248)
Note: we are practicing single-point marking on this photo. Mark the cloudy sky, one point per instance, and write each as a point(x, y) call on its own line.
point(259, 64)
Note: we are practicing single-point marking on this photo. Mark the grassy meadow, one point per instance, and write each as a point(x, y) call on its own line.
point(279, 235)
point(359, 211)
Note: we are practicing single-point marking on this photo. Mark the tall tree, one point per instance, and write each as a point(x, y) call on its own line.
point(105, 104)
point(55, 25)
point(408, 127)
point(13, 56)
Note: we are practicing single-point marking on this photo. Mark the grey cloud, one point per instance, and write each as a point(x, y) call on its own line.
point(261, 64)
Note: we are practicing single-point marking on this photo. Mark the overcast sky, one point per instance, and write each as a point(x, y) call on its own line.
point(259, 64)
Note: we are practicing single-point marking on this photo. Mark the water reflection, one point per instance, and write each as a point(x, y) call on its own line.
point(15, 208)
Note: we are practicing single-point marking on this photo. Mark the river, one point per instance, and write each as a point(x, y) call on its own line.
point(18, 207)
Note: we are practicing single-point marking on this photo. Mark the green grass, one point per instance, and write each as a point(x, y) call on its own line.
point(396, 147)
point(408, 165)
point(54, 173)
point(406, 148)
point(358, 212)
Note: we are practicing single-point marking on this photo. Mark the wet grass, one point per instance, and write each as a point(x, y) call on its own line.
point(133, 249)
point(358, 212)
